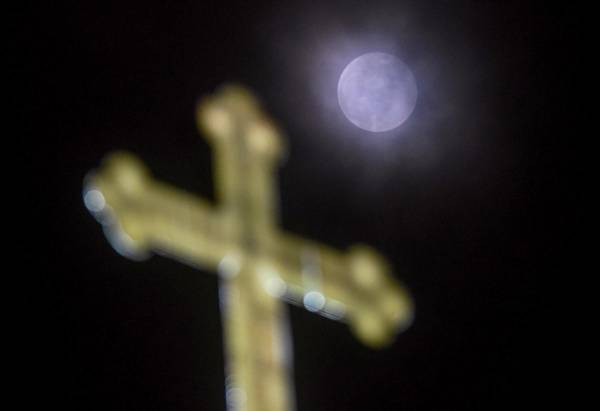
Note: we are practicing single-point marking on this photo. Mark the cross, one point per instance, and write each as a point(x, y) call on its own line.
point(259, 265)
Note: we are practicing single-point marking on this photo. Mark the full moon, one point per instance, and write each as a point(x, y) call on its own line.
point(377, 92)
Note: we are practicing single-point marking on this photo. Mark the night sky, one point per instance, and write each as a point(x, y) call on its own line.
point(460, 198)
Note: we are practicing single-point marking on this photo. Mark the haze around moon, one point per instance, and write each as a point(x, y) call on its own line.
point(377, 92)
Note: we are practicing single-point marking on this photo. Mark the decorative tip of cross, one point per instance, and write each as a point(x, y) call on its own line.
point(235, 111)
point(387, 308)
point(259, 264)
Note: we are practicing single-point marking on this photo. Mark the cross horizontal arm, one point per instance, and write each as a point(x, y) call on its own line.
point(355, 286)
point(141, 215)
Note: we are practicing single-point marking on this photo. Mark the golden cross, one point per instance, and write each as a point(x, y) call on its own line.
point(259, 265)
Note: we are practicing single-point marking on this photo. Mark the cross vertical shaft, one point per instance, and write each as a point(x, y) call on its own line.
point(247, 149)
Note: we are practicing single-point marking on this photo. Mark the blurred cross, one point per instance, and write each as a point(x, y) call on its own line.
point(259, 264)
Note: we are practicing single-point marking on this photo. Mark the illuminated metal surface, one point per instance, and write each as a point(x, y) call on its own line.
point(258, 264)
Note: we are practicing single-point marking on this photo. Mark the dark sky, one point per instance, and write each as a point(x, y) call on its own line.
point(460, 199)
